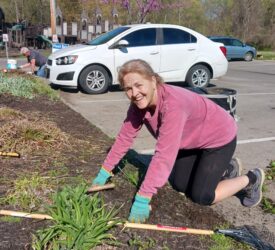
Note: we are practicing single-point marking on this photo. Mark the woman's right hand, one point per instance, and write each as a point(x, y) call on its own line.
point(102, 177)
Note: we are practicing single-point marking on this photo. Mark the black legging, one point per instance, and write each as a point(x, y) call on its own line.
point(197, 172)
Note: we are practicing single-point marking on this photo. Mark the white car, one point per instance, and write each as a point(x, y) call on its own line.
point(177, 53)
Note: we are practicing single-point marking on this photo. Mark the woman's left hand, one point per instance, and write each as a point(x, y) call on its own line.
point(140, 209)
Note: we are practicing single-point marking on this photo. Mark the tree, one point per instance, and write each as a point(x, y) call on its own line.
point(144, 7)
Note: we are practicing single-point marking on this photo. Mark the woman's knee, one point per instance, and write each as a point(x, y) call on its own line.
point(203, 198)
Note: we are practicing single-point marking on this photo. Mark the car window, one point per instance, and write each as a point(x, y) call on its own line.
point(176, 36)
point(144, 37)
point(104, 38)
point(236, 42)
point(226, 42)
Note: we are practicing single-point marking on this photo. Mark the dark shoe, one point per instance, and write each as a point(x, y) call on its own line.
point(252, 194)
point(234, 169)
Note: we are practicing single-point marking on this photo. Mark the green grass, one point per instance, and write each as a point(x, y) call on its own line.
point(266, 55)
point(10, 219)
point(268, 205)
point(26, 86)
point(221, 242)
point(79, 222)
point(29, 192)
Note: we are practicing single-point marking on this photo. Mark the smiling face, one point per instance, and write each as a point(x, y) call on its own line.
point(140, 90)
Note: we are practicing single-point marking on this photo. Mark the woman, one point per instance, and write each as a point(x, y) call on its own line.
point(196, 140)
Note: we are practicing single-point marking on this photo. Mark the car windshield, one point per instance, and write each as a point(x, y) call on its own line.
point(107, 36)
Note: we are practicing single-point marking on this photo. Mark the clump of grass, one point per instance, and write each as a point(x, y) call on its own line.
point(221, 242)
point(7, 114)
point(79, 222)
point(25, 86)
point(29, 192)
point(270, 173)
point(27, 136)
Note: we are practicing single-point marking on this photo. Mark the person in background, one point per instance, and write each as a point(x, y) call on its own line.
point(35, 59)
point(196, 140)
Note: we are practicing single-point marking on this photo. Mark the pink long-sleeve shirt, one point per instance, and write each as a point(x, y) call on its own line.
point(182, 120)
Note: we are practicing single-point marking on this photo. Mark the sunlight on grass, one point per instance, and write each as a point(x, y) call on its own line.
point(266, 55)
point(25, 86)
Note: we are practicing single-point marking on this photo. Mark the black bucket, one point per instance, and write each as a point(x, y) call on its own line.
point(226, 98)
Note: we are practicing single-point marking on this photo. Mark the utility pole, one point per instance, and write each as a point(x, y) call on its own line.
point(53, 16)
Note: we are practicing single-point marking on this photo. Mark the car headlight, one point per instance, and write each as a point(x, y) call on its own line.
point(65, 60)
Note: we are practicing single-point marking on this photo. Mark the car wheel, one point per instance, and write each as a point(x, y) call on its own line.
point(198, 76)
point(94, 80)
point(248, 56)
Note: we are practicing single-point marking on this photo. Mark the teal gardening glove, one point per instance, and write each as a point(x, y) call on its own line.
point(102, 177)
point(140, 209)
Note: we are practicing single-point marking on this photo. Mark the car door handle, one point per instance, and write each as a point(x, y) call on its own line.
point(191, 49)
point(154, 52)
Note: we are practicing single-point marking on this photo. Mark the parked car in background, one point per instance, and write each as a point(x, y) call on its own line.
point(177, 53)
point(235, 49)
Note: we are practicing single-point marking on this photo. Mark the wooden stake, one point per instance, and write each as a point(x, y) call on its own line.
point(11, 154)
point(99, 188)
point(168, 228)
point(126, 224)
point(25, 215)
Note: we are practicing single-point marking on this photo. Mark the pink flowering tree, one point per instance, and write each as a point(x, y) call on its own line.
point(144, 7)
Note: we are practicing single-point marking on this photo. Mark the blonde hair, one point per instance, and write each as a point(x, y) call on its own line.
point(140, 67)
point(24, 50)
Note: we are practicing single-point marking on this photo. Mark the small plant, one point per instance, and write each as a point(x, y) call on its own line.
point(140, 244)
point(80, 222)
point(268, 205)
point(270, 173)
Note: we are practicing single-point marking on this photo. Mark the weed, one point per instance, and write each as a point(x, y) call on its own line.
point(270, 173)
point(29, 192)
point(268, 205)
point(79, 221)
point(141, 244)
point(221, 242)
point(10, 219)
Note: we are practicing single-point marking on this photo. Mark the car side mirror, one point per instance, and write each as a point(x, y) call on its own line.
point(120, 44)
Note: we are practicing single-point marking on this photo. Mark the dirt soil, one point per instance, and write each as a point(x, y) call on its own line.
point(168, 207)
